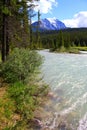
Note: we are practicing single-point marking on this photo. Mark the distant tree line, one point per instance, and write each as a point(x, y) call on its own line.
point(67, 38)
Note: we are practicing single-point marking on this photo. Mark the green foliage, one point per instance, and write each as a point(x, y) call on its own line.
point(22, 99)
point(13, 2)
point(73, 50)
point(20, 64)
point(6, 106)
point(20, 125)
point(67, 38)
point(23, 96)
point(62, 49)
point(6, 11)
point(26, 99)
point(61, 39)
point(81, 48)
point(6, 111)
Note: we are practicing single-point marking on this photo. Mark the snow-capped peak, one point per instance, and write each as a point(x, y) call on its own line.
point(53, 21)
point(50, 24)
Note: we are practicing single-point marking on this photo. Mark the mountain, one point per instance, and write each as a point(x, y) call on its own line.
point(49, 24)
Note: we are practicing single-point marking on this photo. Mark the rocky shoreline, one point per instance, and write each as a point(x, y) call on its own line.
point(45, 119)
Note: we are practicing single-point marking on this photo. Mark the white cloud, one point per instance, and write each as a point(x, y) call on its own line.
point(78, 20)
point(45, 6)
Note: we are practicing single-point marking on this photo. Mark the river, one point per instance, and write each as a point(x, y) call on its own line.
point(66, 74)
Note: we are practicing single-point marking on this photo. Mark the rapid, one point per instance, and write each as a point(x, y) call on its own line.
point(66, 74)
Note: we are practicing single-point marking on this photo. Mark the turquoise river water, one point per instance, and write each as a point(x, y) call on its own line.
point(66, 74)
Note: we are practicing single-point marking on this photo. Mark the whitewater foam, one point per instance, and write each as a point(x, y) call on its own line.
point(83, 123)
point(68, 72)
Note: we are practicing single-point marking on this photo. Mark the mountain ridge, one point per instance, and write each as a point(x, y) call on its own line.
point(49, 24)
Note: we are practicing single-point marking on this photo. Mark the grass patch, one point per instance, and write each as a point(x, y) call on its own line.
point(66, 50)
point(73, 50)
point(81, 48)
point(7, 109)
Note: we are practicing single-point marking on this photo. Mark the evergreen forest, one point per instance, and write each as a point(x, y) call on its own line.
point(68, 40)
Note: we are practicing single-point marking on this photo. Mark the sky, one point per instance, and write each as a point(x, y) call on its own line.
point(72, 12)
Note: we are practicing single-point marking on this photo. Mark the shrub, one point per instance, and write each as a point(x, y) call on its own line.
point(7, 109)
point(23, 96)
point(20, 64)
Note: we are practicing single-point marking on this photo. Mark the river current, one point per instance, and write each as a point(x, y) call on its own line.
point(66, 74)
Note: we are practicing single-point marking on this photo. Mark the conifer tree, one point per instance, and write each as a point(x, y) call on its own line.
point(61, 39)
point(14, 25)
point(38, 26)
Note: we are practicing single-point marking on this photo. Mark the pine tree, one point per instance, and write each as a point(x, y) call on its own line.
point(14, 25)
point(31, 14)
point(61, 39)
point(38, 27)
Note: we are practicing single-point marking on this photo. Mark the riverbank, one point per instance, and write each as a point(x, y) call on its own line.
point(10, 117)
point(75, 50)
point(22, 90)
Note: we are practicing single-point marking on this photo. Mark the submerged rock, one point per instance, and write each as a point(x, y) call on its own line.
point(38, 123)
point(52, 95)
point(62, 126)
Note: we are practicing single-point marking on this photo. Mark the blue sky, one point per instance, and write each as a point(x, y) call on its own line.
point(72, 12)
point(65, 9)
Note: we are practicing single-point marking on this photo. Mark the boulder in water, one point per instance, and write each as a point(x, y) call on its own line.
point(52, 95)
point(62, 126)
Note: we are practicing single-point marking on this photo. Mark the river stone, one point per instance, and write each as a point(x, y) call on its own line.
point(62, 126)
point(50, 95)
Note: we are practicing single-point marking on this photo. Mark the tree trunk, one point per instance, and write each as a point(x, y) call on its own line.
point(30, 31)
point(5, 41)
point(4, 32)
